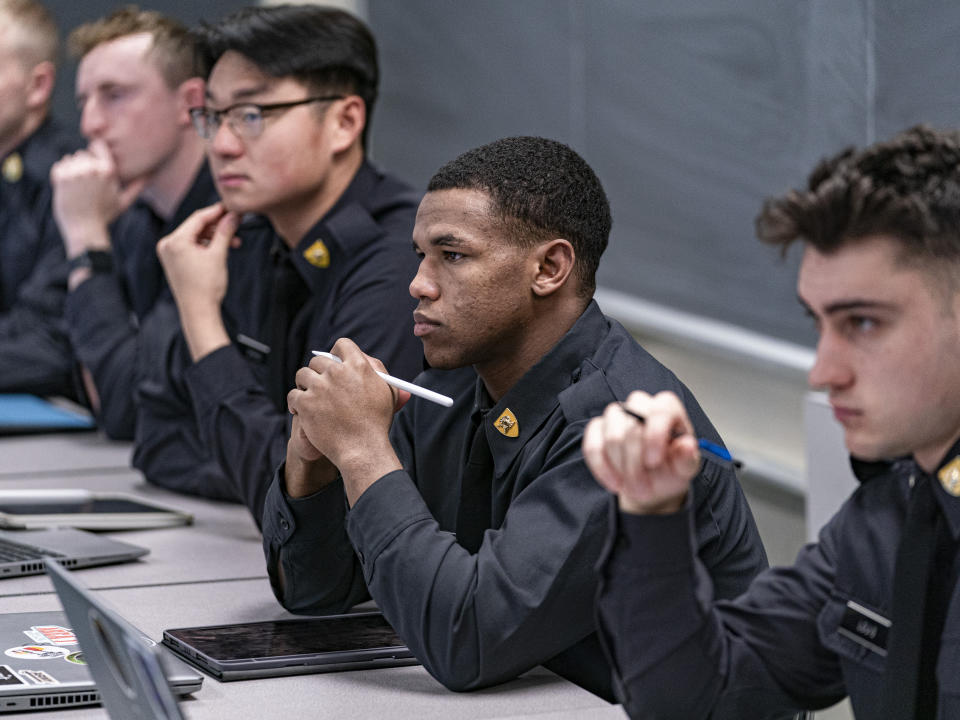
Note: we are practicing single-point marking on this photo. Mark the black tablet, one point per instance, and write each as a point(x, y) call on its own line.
point(291, 647)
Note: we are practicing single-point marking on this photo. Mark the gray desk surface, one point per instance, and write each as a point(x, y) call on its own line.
point(222, 544)
point(407, 692)
point(213, 572)
point(67, 453)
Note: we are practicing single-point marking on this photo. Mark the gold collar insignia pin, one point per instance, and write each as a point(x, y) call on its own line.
point(949, 476)
point(507, 424)
point(317, 254)
point(12, 168)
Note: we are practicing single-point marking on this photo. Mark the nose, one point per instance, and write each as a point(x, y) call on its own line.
point(225, 141)
point(92, 120)
point(831, 369)
point(422, 287)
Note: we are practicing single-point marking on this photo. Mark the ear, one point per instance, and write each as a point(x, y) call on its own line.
point(190, 94)
point(40, 84)
point(347, 118)
point(554, 265)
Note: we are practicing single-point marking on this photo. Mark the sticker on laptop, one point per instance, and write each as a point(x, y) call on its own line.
point(37, 652)
point(76, 658)
point(39, 677)
point(8, 676)
point(51, 635)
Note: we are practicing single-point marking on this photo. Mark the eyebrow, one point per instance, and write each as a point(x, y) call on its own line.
point(243, 93)
point(848, 305)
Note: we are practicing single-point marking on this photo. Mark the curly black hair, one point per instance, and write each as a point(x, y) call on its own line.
point(541, 189)
point(907, 188)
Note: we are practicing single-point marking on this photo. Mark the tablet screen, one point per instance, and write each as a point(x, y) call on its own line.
point(80, 505)
point(340, 633)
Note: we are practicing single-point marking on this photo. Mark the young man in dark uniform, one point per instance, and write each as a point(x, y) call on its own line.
point(870, 611)
point(288, 103)
point(135, 86)
point(476, 527)
point(35, 354)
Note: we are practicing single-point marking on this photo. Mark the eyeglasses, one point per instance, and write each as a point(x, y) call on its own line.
point(244, 119)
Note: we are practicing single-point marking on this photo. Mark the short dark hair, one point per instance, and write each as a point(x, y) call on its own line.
point(172, 50)
point(541, 189)
point(907, 188)
point(327, 49)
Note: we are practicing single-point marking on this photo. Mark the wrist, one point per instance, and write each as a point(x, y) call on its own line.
point(203, 328)
point(666, 506)
point(305, 477)
point(363, 468)
point(82, 239)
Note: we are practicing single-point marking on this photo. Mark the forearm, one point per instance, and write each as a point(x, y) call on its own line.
point(105, 342)
point(312, 566)
point(203, 327)
point(476, 620)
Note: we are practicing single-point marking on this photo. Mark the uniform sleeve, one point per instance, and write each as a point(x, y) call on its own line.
point(103, 332)
point(524, 597)
point(306, 540)
point(35, 354)
point(242, 427)
point(758, 656)
point(167, 448)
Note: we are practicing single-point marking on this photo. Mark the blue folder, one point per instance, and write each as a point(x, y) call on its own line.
point(32, 414)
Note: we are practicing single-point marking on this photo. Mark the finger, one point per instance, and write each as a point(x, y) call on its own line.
point(618, 440)
point(684, 456)
point(293, 398)
point(400, 398)
point(225, 231)
point(666, 421)
point(200, 220)
point(347, 350)
point(305, 377)
point(99, 149)
point(595, 456)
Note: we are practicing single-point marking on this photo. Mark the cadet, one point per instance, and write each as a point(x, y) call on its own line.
point(35, 354)
point(476, 528)
point(863, 612)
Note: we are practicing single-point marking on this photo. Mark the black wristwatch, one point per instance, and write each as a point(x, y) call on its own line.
point(99, 261)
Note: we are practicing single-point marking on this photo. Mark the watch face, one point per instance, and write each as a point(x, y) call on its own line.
point(99, 261)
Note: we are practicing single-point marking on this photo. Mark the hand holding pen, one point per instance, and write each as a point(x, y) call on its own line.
point(649, 464)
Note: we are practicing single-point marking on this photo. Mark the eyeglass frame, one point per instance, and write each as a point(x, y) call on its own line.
point(203, 113)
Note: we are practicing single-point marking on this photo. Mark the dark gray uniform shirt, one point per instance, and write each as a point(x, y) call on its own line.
point(526, 597)
point(801, 637)
point(35, 355)
point(356, 286)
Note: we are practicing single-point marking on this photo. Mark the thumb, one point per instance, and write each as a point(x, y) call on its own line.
point(225, 231)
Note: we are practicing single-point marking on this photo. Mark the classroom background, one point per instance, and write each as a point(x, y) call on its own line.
point(691, 113)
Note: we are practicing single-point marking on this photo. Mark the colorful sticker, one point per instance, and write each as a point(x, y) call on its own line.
point(39, 677)
point(51, 635)
point(37, 652)
point(8, 676)
point(76, 658)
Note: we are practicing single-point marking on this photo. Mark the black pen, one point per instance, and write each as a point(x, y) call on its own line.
point(718, 451)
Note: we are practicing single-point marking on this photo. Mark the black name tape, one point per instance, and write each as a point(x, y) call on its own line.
point(865, 627)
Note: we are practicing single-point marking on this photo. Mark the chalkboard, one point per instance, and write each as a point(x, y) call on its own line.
point(691, 113)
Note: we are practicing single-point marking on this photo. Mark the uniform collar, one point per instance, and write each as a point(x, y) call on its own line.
point(945, 480)
point(347, 226)
point(43, 147)
point(521, 412)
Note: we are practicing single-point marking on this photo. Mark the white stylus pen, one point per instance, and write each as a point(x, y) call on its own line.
point(402, 384)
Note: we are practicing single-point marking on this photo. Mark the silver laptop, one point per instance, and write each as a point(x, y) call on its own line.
point(22, 551)
point(76, 508)
point(135, 679)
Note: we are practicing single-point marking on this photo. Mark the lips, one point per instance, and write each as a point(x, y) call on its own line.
point(423, 325)
point(845, 415)
point(230, 179)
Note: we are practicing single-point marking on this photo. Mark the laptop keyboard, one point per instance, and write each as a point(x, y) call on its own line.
point(13, 551)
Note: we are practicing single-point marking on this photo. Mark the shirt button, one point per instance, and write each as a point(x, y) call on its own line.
point(284, 523)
